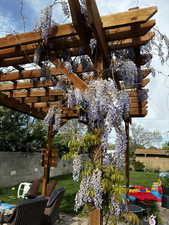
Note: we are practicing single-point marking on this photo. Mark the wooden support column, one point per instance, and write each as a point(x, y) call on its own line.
point(47, 164)
point(95, 217)
point(127, 161)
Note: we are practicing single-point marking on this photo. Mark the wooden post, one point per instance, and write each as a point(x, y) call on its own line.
point(95, 217)
point(127, 162)
point(47, 164)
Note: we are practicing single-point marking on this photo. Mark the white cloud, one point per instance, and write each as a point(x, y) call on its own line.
point(7, 26)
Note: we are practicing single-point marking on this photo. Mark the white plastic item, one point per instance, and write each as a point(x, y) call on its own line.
point(23, 189)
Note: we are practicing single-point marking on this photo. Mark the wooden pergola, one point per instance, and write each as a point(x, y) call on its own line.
point(24, 90)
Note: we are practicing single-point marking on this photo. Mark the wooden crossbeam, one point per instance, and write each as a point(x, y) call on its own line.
point(12, 103)
point(50, 92)
point(96, 24)
point(134, 112)
point(77, 82)
point(129, 17)
point(37, 73)
point(133, 93)
point(49, 83)
point(110, 21)
point(131, 42)
point(133, 106)
point(115, 45)
point(74, 41)
point(126, 32)
point(142, 84)
point(57, 100)
point(114, 20)
point(16, 61)
point(80, 25)
point(47, 99)
point(34, 93)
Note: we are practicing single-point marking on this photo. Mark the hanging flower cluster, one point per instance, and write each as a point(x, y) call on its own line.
point(77, 166)
point(53, 117)
point(103, 107)
point(90, 191)
point(45, 22)
point(126, 71)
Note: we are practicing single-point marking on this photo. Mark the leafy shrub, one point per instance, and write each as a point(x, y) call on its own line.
point(138, 166)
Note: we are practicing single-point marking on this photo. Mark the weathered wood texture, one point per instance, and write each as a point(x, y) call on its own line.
point(110, 21)
point(112, 32)
point(96, 23)
point(21, 107)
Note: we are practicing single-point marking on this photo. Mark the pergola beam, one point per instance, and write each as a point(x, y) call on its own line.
point(96, 23)
point(37, 73)
point(110, 21)
point(12, 103)
point(79, 23)
point(113, 45)
point(74, 41)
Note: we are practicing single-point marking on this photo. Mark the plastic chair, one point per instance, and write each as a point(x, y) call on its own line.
point(23, 189)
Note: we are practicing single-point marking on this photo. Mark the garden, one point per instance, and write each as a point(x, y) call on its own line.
point(93, 69)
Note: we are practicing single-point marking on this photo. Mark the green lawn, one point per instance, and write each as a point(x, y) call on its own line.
point(136, 178)
point(143, 178)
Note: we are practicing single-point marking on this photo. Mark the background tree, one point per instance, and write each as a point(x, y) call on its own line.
point(19, 132)
point(65, 134)
point(165, 146)
point(141, 138)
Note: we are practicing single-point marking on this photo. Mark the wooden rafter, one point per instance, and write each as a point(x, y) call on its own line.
point(80, 25)
point(110, 21)
point(35, 93)
point(131, 42)
point(37, 73)
point(116, 44)
point(78, 83)
point(74, 41)
point(129, 17)
point(96, 24)
point(112, 32)
point(47, 83)
point(21, 107)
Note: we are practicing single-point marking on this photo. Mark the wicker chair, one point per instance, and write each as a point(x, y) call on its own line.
point(27, 212)
point(51, 212)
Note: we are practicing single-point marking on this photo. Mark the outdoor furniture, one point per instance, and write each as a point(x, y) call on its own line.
point(50, 187)
point(51, 212)
point(23, 189)
point(27, 212)
point(34, 189)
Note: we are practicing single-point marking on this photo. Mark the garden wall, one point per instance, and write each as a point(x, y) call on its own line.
point(17, 167)
point(154, 163)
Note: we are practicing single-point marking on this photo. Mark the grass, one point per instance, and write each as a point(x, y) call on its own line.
point(143, 178)
point(136, 178)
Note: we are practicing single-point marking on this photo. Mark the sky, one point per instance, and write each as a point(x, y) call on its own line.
point(21, 15)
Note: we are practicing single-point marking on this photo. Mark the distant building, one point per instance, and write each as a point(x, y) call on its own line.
point(156, 159)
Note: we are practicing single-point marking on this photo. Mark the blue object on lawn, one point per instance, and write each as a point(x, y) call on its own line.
point(132, 198)
point(6, 206)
